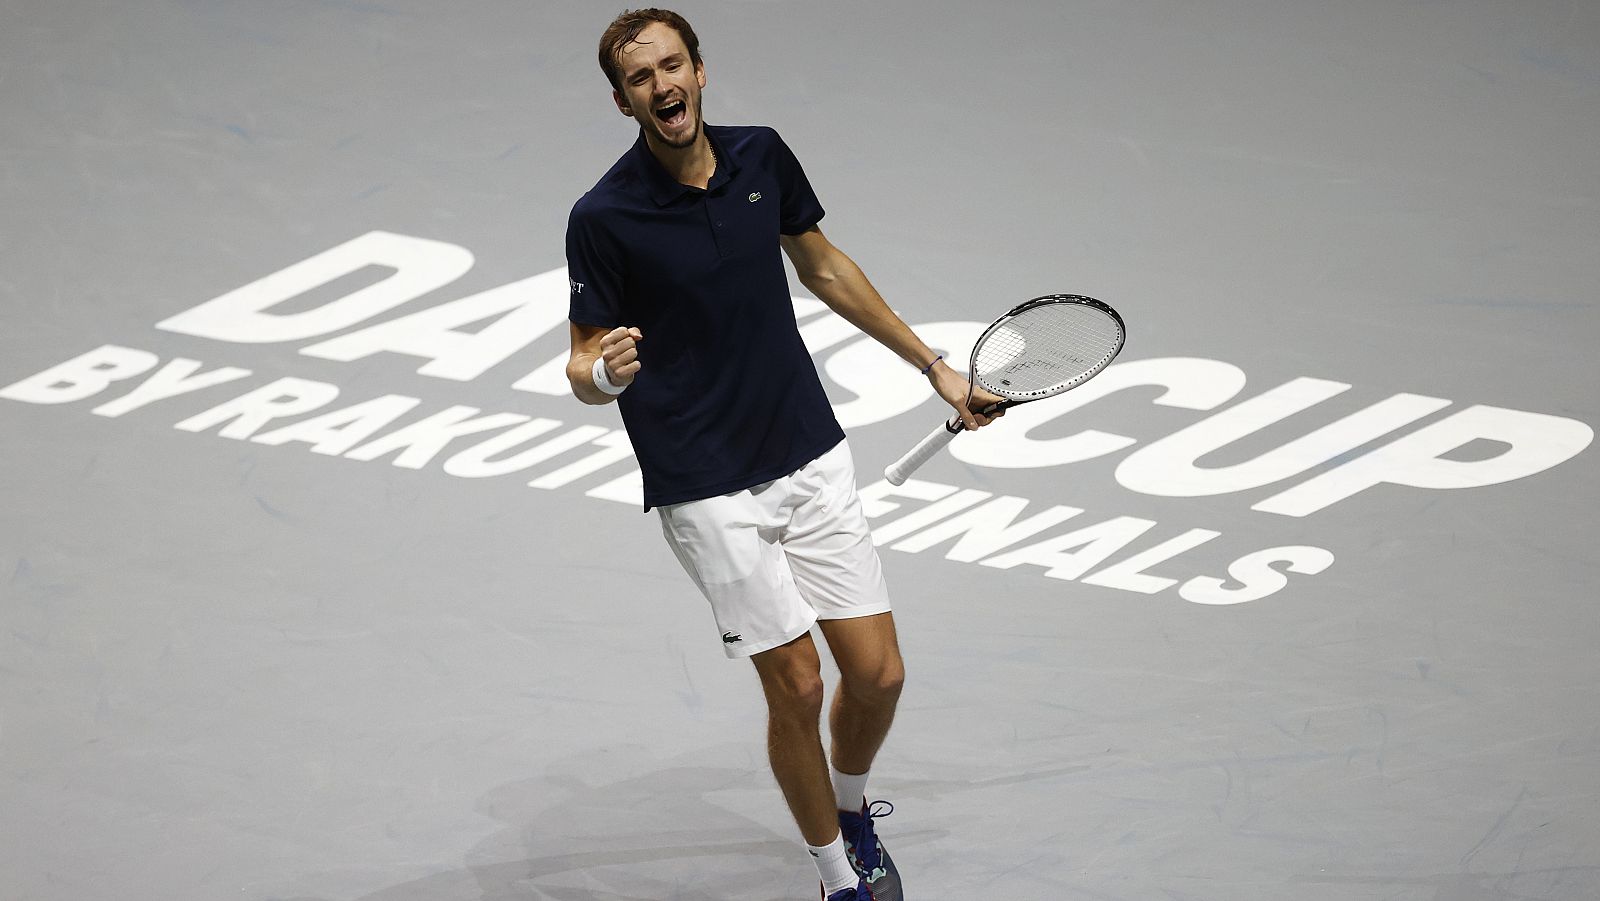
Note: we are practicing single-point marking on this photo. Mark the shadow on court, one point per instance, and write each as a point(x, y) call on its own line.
point(651, 837)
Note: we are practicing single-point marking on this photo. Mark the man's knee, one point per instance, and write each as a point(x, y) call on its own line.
point(799, 694)
point(880, 682)
point(792, 682)
point(891, 679)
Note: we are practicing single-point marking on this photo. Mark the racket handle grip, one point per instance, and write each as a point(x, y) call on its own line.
point(901, 469)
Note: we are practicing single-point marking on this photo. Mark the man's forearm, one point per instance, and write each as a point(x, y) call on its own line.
point(845, 289)
point(848, 293)
point(580, 372)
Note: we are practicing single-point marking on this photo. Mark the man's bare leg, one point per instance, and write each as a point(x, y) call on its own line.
point(871, 673)
point(791, 676)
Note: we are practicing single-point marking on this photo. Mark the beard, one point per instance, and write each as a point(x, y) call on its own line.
point(686, 141)
point(654, 126)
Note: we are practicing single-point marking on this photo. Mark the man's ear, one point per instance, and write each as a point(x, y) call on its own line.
point(622, 105)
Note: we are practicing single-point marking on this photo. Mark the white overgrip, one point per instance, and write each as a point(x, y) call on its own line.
point(901, 469)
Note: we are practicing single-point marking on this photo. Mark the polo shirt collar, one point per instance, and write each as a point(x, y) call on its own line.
point(663, 188)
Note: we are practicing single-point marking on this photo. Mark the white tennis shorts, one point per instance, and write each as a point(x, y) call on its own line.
point(775, 558)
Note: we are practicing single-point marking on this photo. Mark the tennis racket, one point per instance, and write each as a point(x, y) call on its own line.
point(1040, 348)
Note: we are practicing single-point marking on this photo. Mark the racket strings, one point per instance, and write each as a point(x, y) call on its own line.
point(1046, 349)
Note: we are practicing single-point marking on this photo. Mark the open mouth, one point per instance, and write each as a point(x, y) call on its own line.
point(672, 113)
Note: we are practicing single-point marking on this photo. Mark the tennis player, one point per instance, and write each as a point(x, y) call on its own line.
point(681, 312)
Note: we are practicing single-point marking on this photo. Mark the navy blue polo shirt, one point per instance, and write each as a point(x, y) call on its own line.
point(727, 396)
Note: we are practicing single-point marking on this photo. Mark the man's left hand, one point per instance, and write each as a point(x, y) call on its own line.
point(954, 389)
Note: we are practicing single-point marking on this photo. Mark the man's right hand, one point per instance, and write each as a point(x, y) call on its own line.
point(619, 348)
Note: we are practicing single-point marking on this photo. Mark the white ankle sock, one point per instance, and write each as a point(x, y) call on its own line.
point(850, 789)
point(833, 866)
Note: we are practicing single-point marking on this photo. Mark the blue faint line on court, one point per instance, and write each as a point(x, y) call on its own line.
point(1503, 303)
point(1561, 64)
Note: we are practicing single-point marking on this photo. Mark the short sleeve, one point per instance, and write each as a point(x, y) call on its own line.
point(594, 272)
point(800, 209)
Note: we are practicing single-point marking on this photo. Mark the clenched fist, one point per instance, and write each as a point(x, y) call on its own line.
point(619, 348)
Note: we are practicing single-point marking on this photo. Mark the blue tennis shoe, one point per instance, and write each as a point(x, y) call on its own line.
point(867, 854)
point(857, 892)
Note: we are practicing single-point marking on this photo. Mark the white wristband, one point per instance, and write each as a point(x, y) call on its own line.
point(602, 379)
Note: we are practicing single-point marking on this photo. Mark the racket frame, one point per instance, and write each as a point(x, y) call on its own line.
point(954, 425)
point(900, 470)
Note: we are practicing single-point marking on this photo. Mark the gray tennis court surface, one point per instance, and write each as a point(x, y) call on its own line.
point(311, 588)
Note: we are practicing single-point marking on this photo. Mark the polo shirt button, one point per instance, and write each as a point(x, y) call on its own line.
point(719, 225)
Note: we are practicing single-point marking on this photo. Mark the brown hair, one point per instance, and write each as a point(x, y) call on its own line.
point(626, 27)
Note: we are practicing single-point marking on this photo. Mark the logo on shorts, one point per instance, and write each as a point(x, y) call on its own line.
point(754, 196)
point(731, 637)
point(577, 286)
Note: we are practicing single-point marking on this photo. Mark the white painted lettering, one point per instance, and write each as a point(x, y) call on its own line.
point(1256, 576)
point(1129, 574)
point(1191, 383)
point(1534, 442)
point(614, 448)
point(475, 463)
point(285, 397)
point(82, 376)
point(527, 309)
point(422, 440)
point(986, 529)
point(171, 380)
point(625, 489)
point(1167, 467)
point(241, 315)
point(872, 496)
point(336, 432)
point(1097, 542)
point(928, 515)
point(885, 385)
